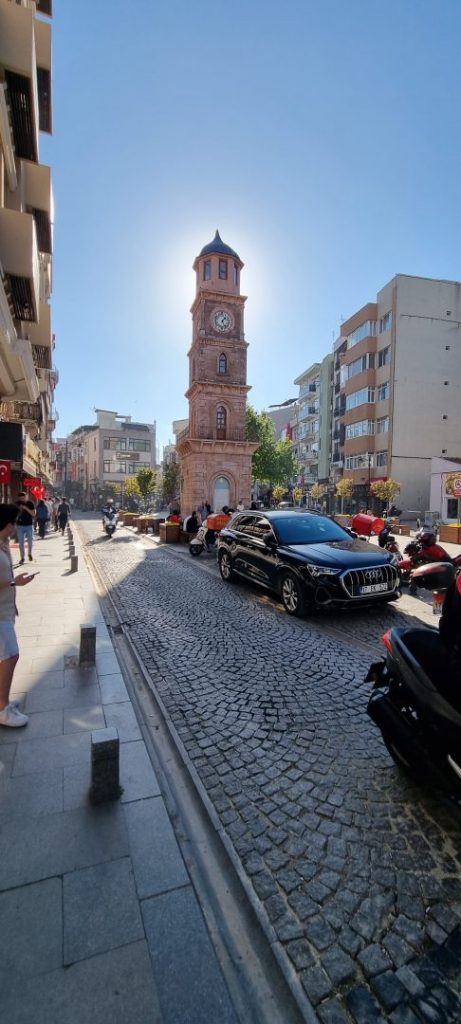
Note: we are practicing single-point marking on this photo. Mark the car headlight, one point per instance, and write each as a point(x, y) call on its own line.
point(320, 570)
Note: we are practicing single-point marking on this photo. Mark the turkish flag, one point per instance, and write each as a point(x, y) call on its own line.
point(5, 471)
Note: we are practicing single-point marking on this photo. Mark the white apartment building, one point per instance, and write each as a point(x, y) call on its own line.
point(27, 375)
point(397, 384)
point(313, 428)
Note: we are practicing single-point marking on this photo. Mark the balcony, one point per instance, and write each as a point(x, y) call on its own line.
point(205, 434)
point(7, 142)
point(21, 412)
point(19, 260)
point(39, 334)
point(47, 379)
point(46, 276)
point(38, 197)
point(18, 58)
point(43, 56)
point(45, 7)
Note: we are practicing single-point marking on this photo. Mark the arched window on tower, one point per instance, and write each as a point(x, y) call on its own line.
point(222, 363)
point(221, 419)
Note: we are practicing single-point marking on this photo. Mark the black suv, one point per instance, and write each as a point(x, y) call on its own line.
point(306, 558)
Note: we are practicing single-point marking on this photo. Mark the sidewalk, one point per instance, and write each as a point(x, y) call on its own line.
point(99, 920)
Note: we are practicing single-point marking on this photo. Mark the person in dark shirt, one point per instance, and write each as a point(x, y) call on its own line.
point(63, 514)
point(24, 525)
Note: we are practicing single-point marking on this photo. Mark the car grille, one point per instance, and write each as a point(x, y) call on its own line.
point(355, 579)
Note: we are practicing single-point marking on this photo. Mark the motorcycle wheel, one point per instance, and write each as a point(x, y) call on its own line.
point(195, 549)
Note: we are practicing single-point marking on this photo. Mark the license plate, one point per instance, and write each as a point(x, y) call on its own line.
point(372, 588)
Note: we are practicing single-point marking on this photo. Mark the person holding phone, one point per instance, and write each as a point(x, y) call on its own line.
point(9, 652)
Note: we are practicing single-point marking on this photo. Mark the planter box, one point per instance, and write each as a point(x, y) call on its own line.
point(403, 531)
point(169, 534)
point(450, 534)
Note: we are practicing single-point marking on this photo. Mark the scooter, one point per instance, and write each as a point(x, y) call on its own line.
point(416, 698)
point(417, 554)
point(109, 522)
point(204, 540)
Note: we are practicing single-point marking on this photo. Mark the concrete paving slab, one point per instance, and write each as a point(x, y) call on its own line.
point(25, 679)
point(137, 775)
point(116, 987)
point(181, 949)
point(83, 719)
point(57, 843)
point(80, 676)
point(29, 796)
point(124, 719)
point(113, 689)
point(157, 862)
point(107, 664)
point(7, 756)
point(77, 783)
point(41, 723)
point(31, 931)
point(52, 752)
point(66, 697)
point(101, 910)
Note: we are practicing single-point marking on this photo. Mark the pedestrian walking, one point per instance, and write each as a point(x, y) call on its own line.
point(25, 512)
point(42, 518)
point(63, 514)
point(9, 652)
point(55, 514)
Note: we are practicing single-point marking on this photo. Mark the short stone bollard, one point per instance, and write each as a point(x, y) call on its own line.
point(71, 550)
point(87, 652)
point(74, 563)
point(105, 766)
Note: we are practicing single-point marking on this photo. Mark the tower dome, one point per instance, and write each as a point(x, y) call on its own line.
point(219, 247)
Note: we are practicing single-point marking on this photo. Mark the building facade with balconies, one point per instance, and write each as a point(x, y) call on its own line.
point(397, 379)
point(27, 375)
point(98, 458)
point(313, 428)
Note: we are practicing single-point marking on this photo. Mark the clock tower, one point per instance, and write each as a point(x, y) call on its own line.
point(215, 456)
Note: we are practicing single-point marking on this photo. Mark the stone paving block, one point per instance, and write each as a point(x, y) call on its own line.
point(31, 930)
point(52, 752)
point(113, 689)
point(83, 719)
point(124, 719)
point(57, 843)
point(80, 676)
point(28, 681)
point(118, 987)
point(77, 783)
point(101, 910)
point(157, 861)
point(107, 664)
point(7, 756)
point(40, 724)
point(181, 949)
point(137, 775)
point(29, 796)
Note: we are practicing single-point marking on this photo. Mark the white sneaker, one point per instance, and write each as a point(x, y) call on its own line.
point(12, 717)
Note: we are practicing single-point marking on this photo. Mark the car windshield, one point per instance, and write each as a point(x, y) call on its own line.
point(306, 529)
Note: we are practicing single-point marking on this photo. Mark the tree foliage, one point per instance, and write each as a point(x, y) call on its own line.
point(385, 490)
point(318, 491)
point(170, 485)
point(131, 488)
point(297, 494)
point(279, 492)
point(345, 487)
point(274, 462)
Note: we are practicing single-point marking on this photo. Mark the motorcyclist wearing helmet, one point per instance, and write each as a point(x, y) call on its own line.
point(430, 550)
point(108, 509)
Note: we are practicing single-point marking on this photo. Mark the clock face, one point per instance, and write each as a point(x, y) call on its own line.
point(222, 321)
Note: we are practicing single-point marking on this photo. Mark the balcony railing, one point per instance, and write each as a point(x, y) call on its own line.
point(205, 434)
point(21, 412)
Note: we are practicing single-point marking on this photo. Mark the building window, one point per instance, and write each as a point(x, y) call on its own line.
point(365, 461)
point(120, 467)
point(236, 274)
point(222, 363)
point(366, 330)
point(382, 425)
point(107, 442)
point(221, 419)
point(223, 270)
point(359, 429)
point(381, 458)
point(452, 508)
point(137, 445)
point(385, 323)
point(384, 357)
point(365, 362)
point(105, 466)
point(360, 397)
point(207, 270)
point(383, 392)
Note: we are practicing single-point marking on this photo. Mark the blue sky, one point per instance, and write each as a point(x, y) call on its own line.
point(322, 139)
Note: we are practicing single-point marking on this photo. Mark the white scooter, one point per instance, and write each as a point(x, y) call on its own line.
point(109, 522)
point(204, 540)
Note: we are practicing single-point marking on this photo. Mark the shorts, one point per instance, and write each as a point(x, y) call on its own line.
point(8, 642)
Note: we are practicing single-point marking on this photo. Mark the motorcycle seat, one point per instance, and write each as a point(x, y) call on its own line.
point(436, 661)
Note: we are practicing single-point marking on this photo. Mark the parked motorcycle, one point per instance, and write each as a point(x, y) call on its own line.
point(204, 540)
point(109, 521)
point(416, 698)
point(422, 550)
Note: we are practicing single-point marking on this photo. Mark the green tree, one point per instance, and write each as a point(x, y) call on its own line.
point(145, 479)
point(170, 486)
point(279, 492)
point(273, 462)
point(131, 488)
point(318, 491)
point(385, 490)
point(345, 489)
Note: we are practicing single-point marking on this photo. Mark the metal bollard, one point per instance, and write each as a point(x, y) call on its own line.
point(105, 769)
point(87, 653)
point(74, 563)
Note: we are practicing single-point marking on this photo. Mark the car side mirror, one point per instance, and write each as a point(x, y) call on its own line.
point(270, 540)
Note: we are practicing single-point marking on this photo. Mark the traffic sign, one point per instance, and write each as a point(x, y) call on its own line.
point(457, 487)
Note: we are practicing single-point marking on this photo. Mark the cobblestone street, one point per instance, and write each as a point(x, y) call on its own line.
point(357, 869)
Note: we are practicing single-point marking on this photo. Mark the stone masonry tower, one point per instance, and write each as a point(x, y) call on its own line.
point(215, 457)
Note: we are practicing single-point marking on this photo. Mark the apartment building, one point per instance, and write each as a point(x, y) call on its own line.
point(27, 374)
point(397, 378)
point(98, 458)
point(284, 417)
point(313, 428)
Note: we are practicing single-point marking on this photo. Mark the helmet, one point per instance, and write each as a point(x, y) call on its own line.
point(427, 537)
point(110, 501)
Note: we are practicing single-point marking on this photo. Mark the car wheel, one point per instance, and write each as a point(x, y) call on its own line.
point(292, 595)
point(225, 567)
